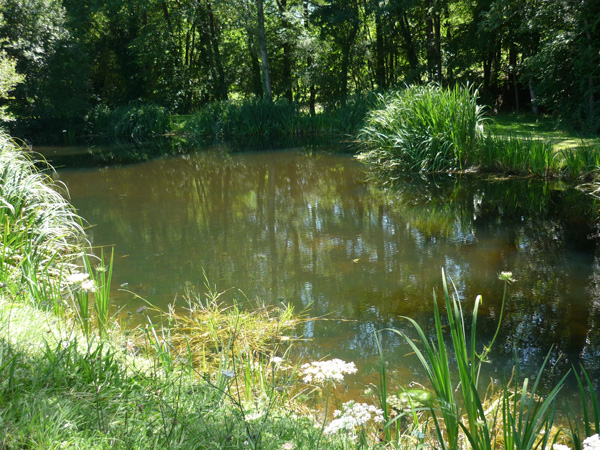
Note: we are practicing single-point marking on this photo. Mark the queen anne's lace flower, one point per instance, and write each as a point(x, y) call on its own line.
point(592, 443)
point(353, 415)
point(77, 277)
point(88, 285)
point(560, 447)
point(319, 372)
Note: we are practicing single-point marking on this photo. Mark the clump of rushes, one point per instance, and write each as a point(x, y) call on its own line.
point(522, 156)
point(211, 325)
point(512, 419)
point(135, 121)
point(226, 120)
point(423, 129)
point(41, 233)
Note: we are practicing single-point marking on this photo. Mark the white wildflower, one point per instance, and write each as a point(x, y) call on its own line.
point(592, 443)
point(77, 277)
point(506, 276)
point(352, 416)
point(276, 360)
point(88, 285)
point(560, 447)
point(287, 446)
point(228, 373)
point(255, 415)
point(319, 372)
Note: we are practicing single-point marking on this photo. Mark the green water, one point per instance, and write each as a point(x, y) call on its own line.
point(309, 229)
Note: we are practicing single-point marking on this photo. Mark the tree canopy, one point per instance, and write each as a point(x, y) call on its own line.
point(182, 54)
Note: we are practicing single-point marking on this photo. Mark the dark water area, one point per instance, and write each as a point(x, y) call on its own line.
point(310, 229)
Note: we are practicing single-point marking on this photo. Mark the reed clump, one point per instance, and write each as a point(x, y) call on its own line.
point(42, 235)
point(423, 129)
point(210, 326)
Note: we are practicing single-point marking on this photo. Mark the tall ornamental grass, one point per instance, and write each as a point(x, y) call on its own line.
point(39, 229)
point(423, 129)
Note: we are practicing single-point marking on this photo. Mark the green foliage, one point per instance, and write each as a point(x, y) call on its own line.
point(9, 78)
point(39, 228)
point(523, 156)
point(137, 122)
point(423, 129)
point(520, 418)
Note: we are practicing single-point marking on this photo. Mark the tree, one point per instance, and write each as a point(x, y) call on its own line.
point(9, 79)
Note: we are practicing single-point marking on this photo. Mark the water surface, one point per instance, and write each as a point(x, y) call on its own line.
point(309, 229)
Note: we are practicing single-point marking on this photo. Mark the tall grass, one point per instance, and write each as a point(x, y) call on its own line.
point(423, 129)
point(523, 156)
point(41, 233)
point(515, 418)
point(228, 120)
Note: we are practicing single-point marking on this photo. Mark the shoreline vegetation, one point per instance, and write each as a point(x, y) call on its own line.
point(421, 128)
point(217, 373)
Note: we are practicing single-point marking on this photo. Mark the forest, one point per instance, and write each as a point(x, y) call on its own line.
point(65, 62)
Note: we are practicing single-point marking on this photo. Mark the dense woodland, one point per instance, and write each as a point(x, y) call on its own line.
point(66, 59)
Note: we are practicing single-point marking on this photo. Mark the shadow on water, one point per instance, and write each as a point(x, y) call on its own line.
point(309, 229)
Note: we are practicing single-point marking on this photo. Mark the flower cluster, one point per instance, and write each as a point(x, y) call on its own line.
point(320, 372)
point(353, 415)
point(83, 280)
point(592, 443)
point(560, 447)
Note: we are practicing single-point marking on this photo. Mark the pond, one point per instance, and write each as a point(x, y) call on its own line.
point(309, 229)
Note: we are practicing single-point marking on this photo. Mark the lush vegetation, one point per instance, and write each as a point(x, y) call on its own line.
point(424, 129)
point(78, 56)
point(433, 129)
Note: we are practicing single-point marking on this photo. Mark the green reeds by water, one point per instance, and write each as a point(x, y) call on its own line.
point(522, 156)
point(423, 129)
point(511, 416)
point(261, 119)
point(41, 233)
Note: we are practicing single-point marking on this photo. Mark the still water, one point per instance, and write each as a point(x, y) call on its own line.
point(310, 230)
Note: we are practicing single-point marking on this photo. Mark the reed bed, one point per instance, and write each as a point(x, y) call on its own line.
point(41, 233)
point(423, 129)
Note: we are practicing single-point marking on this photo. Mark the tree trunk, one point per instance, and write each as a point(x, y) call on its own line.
point(257, 88)
point(512, 61)
point(438, 44)
point(309, 62)
point(287, 54)
point(262, 41)
point(380, 67)
point(409, 46)
point(431, 63)
point(221, 85)
point(534, 104)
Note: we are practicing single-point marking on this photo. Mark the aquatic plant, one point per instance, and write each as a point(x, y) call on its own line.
point(321, 372)
point(518, 417)
point(423, 129)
